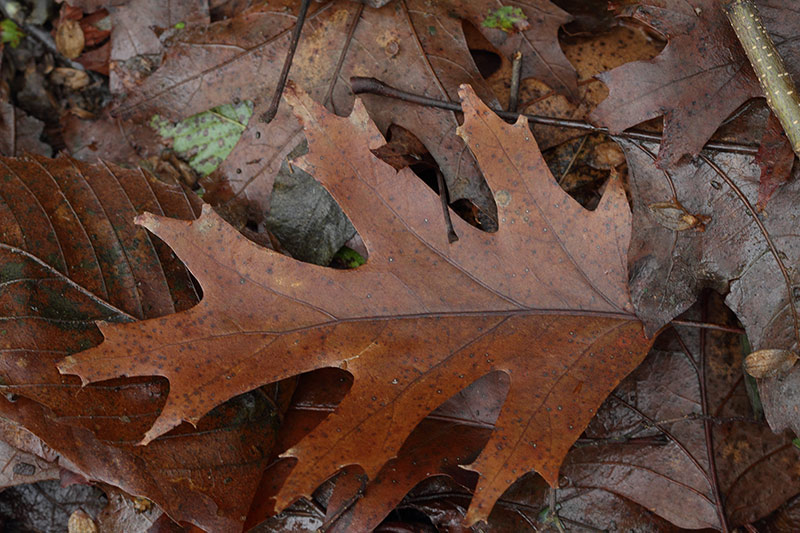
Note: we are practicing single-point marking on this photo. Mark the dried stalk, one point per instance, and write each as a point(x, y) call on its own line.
point(361, 85)
point(778, 85)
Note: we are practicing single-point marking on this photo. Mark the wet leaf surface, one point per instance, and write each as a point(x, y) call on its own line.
point(748, 261)
point(472, 312)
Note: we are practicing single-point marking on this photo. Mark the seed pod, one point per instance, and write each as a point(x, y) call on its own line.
point(69, 39)
point(672, 215)
point(769, 363)
point(80, 522)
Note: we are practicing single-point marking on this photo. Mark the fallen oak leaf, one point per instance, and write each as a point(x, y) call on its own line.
point(544, 299)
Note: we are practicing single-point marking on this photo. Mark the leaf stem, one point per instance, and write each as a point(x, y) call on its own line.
point(707, 325)
point(451, 232)
point(351, 30)
point(362, 85)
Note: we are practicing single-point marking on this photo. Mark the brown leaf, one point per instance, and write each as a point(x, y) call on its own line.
point(25, 458)
point(590, 54)
point(69, 39)
point(430, 450)
point(112, 139)
point(776, 158)
point(70, 256)
point(698, 80)
point(198, 476)
point(734, 256)
point(133, 33)
point(689, 376)
point(544, 300)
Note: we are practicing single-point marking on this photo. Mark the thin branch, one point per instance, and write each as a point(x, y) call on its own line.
point(270, 113)
point(351, 30)
point(362, 85)
point(452, 236)
point(707, 325)
point(516, 71)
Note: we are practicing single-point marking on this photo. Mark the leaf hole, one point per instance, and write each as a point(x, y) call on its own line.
point(485, 56)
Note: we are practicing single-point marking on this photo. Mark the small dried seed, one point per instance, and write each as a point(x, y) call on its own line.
point(769, 363)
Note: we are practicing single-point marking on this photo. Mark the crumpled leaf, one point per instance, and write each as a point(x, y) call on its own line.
point(412, 44)
point(699, 79)
point(670, 268)
point(769, 363)
point(544, 300)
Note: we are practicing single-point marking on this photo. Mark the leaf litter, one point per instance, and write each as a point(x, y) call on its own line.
point(734, 242)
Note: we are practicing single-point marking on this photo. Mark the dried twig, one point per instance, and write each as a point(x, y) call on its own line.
point(516, 71)
point(373, 86)
point(778, 85)
point(270, 113)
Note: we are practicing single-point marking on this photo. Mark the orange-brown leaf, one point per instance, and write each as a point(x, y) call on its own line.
point(544, 299)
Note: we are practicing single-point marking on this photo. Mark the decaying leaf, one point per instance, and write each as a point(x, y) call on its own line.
point(506, 18)
point(745, 254)
point(206, 139)
point(769, 363)
point(685, 405)
point(81, 522)
point(69, 39)
point(672, 215)
point(544, 300)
